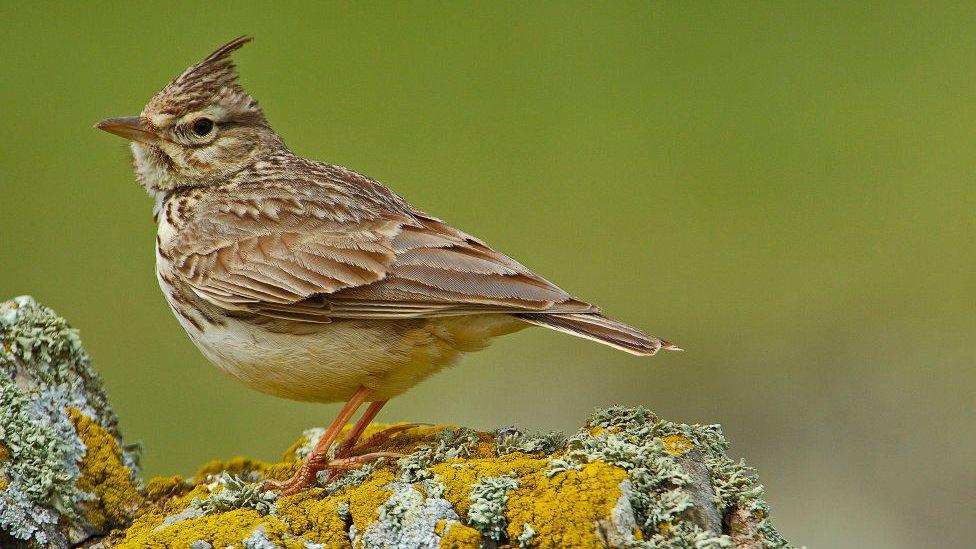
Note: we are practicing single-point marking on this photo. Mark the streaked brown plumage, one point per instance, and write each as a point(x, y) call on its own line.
point(311, 281)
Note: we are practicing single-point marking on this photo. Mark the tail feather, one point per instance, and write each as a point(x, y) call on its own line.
point(601, 329)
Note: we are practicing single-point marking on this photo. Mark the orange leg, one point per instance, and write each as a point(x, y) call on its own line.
point(357, 430)
point(350, 455)
point(319, 458)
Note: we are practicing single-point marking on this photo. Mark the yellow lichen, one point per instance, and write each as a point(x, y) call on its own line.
point(159, 488)
point(289, 454)
point(676, 445)
point(576, 499)
point(459, 536)
point(233, 466)
point(4, 456)
point(103, 474)
point(562, 510)
point(220, 530)
point(314, 518)
point(460, 475)
point(365, 500)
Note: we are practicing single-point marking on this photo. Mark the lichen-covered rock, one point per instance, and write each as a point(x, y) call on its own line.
point(625, 479)
point(65, 474)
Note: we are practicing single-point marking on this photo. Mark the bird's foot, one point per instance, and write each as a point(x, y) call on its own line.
point(352, 456)
point(307, 476)
point(374, 441)
point(338, 466)
point(347, 457)
point(303, 478)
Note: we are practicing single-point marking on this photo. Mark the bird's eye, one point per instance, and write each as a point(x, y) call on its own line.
point(202, 126)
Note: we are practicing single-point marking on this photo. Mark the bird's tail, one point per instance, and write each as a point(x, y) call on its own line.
point(602, 330)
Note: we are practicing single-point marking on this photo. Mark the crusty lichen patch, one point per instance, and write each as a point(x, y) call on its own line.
point(617, 482)
point(676, 445)
point(624, 479)
point(56, 467)
point(104, 475)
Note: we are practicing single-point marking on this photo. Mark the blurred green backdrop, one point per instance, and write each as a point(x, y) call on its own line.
point(784, 189)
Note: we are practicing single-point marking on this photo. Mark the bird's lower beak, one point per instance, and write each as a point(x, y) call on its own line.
point(129, 127)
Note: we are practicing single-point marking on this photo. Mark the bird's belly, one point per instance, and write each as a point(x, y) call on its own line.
point(327, 362)
point(335, 359)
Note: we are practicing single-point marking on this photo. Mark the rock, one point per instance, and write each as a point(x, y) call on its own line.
point(625, 479)
point(65, 475)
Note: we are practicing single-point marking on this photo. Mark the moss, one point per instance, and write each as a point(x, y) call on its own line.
point(104, 475)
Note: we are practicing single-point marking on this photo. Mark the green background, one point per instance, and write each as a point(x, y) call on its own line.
point(784, 189)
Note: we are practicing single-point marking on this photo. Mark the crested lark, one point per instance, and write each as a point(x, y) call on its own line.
point(312, 282)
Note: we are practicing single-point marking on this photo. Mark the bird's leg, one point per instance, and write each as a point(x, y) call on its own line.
point(319, 458)
point(349, 454)
point(347, 444)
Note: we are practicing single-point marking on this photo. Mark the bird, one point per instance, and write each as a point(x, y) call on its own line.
point(309, 281)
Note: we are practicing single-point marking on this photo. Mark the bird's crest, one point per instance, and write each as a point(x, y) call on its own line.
point(212, 80)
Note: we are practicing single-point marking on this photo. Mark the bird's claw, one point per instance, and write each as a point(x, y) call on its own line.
point(375, 440)
point(341, 465)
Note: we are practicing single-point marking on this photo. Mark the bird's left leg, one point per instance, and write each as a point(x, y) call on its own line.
point(350, 455)
point(319, 458)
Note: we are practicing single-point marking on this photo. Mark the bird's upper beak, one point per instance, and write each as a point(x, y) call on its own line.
point(129, 127)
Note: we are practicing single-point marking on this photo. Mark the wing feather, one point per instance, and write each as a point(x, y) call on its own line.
point(340, 247)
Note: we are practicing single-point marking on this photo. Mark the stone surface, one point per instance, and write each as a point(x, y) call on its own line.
point(65, 474)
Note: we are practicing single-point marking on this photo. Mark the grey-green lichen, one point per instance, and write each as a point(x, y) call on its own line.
point(511, 439)
point(665, 499)
point(489, 497)
point(626, 479)
point(352, 478)
point(44, 374)
point(238, 493)
point(450, 444)
point(226, 493)
point(526, 537)
point(411, 518)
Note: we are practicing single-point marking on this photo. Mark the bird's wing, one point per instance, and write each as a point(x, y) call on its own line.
point(311, 254)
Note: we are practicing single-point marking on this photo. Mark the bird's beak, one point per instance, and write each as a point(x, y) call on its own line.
point(129, 127)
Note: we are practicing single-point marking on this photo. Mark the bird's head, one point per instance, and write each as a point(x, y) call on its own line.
point(200, 129)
